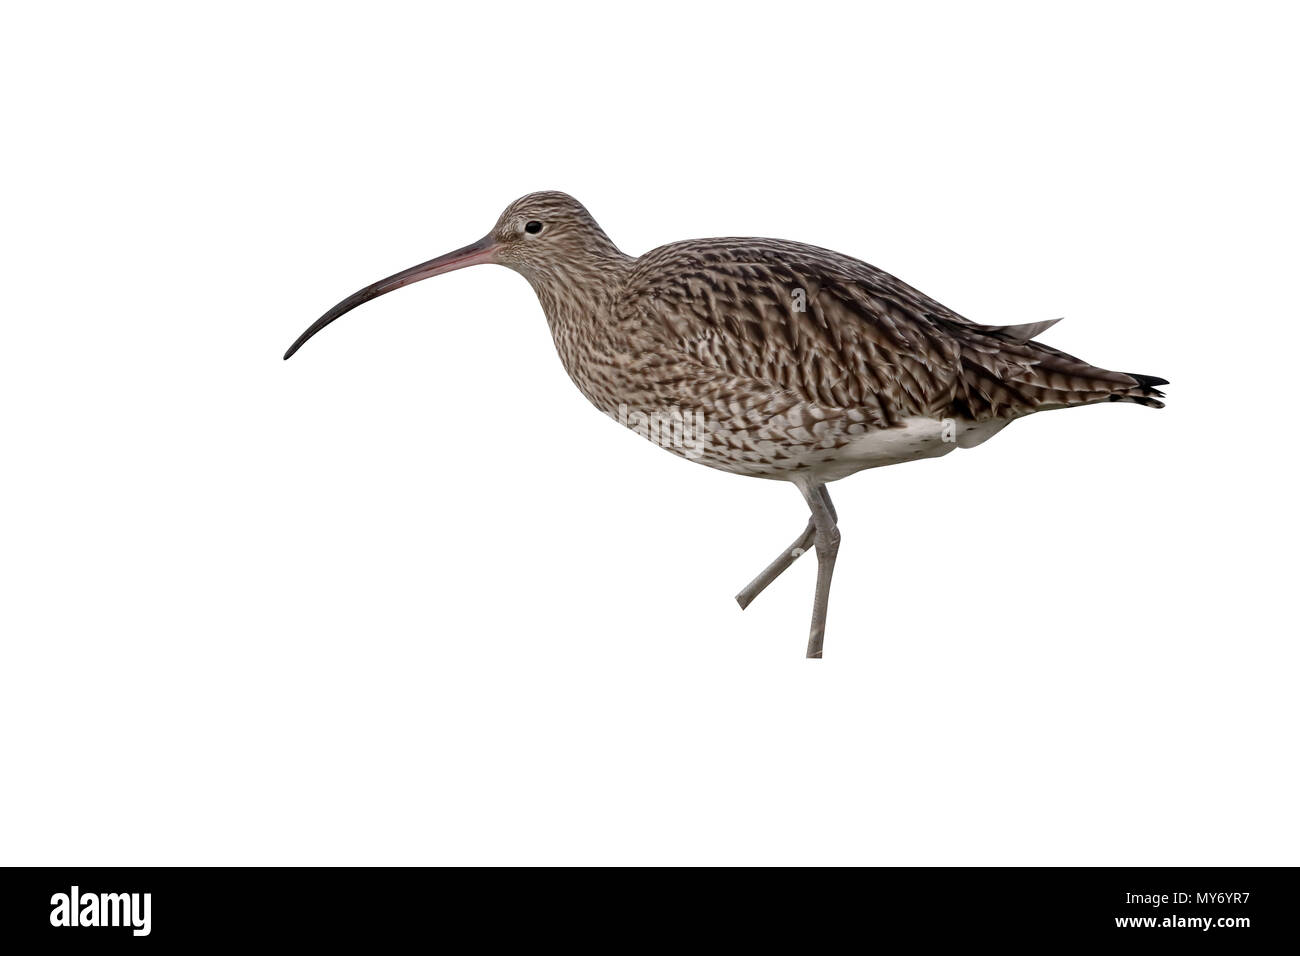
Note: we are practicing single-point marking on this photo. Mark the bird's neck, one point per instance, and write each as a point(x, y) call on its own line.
point(579, 297)
point(581, 285)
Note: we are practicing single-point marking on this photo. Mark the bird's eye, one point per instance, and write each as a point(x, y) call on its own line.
point(533, 228)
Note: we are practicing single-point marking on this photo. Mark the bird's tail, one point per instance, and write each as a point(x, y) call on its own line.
point(1017, 373)
point(1072, 381)
point(1144, 393)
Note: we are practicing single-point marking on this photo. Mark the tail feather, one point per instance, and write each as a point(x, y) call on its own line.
point(1005, 371)
point(1145, 393)
point(1102, 384)
point(1150, 381)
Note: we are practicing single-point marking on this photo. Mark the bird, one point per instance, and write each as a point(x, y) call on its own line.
point(771, 359)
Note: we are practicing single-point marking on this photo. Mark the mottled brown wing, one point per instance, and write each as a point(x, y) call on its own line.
point(840, 333)
point(793, 318)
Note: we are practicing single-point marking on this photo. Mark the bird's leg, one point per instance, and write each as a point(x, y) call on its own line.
point(826, 538)
point(773, 571)
point(783, 560)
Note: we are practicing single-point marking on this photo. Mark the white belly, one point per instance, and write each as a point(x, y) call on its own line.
point(914, 439)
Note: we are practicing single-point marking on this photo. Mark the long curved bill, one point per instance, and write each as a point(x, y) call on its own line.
point(471, 255)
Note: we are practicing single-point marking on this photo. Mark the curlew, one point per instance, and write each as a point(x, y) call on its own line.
point(771, 359)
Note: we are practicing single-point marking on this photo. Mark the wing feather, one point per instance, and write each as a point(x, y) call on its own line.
point(839, 333)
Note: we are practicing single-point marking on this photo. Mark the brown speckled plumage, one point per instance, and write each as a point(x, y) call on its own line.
point(710, 326)
point(797, 362)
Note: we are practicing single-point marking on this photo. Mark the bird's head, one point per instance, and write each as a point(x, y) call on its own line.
point(545, 236)
point(541, 231)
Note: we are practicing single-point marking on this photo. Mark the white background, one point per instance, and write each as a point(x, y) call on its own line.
point(409, 599)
